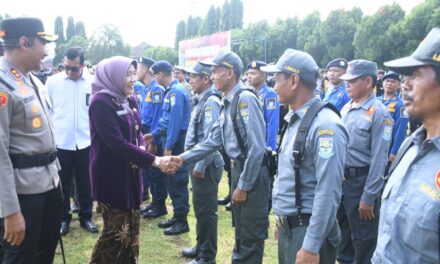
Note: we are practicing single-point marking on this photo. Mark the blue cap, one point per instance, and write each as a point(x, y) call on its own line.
point(146, 61)
point(298, 62)
point(199, 69)
point(391, 75)
point(226, 59)
point(358, 68)
point(161, 66)
point(256, 65)
point(340, 63)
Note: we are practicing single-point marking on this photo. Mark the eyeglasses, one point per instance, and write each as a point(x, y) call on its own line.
point(72, 68)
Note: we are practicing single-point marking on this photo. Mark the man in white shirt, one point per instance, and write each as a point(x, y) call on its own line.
point(69, 93)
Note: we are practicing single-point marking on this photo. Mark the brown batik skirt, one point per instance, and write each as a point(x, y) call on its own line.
point(119, 240)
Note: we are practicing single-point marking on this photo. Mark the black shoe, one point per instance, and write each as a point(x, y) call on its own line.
point(190, 253)
point(228, 207)
point(74, 207)
point(178, 228)
point(64, 228)
point(167, 223)
point(155, 213)
point(146, 208)
point(89, 226)
point(224, 201)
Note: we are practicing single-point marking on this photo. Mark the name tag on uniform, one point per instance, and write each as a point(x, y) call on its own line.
point(270, 104)
point(157, 97)
point(29, 99)
point(122, 112)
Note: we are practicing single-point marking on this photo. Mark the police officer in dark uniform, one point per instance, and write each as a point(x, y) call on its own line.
point(30, 193)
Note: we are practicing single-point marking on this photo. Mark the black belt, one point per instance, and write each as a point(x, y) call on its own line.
point(354, 172)
point(240, 161)
point(293, 221)
point(20, 161)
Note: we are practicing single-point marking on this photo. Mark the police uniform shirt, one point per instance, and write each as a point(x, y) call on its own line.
point(175, 114)
point(209, 113)
point(251, 126)
point(370, 128)
point(151, 106)
point(337, 96)
point(70, 109)
point(321, 173)
point(271, 110)
point(25, 128)
point(409, 214)
point(400, 117)
point(139, 91)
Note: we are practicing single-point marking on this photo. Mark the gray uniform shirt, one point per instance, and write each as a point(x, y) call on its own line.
point(252, 129)
point(410, 210)
point(25, 128)
point(321, 171)
point(370, 128)
point(209, 113)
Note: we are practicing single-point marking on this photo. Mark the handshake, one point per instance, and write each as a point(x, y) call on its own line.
point(168, 164)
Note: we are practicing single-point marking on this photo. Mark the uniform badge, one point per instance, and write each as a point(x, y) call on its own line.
point(387, 132)
point(371, 111)
point(208, 115)
point(36, 122)
point(326, 132)
point(243, 105)
point(437, 180)
point(172, 99)
point(403, 113)
point(157, 97)
point(15, 73)
point(325, 147)
point(3, 99)
point(270, 103)
point(35, 108)
point(339, 94)
point(148, 98)
point(244, 112)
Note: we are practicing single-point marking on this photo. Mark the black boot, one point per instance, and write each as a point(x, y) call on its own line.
point(190, 253)
point(224, 201)
point(156, 211)
point(167, 223)
point(178, 228)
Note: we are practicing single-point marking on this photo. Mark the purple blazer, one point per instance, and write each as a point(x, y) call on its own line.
point(115, 136)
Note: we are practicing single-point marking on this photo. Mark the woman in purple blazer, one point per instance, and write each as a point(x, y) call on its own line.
point(117, 153)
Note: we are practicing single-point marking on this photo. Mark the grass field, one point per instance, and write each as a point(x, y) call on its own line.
point(158, 248)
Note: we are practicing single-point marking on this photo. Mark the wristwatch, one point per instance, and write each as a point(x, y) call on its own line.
point(156, 162)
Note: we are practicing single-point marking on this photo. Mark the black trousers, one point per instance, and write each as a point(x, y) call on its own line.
point(42, 215)
point(75, 164)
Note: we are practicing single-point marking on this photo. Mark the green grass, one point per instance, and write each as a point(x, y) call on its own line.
point(158, 248)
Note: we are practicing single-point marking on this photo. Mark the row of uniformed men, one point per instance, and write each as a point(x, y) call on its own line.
point(323, 156)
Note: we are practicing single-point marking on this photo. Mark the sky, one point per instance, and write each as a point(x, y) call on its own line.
point(154, 22)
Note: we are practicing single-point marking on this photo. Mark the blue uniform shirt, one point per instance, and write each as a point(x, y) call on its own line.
point(397, 112)
point(337, 96)
point(139, 92)
point(271, 111)
point(175, 114)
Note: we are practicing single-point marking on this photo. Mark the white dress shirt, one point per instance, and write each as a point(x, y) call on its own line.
point(70, 106)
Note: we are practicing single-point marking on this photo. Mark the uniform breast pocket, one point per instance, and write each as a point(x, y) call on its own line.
point(166, 107)
point(364, 134)
point(33, 116)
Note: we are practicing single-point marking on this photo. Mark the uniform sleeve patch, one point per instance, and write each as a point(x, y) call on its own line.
point(371, 111)
point(403, 113)
point(157, 97)
point(270, 103)
point(387, 132)
point(3, 99)
point(326, 132)
point(172, 99)
point(325, 147)
point(243, 105)
point(208, 114)
point(388, 122)
point(244, 112)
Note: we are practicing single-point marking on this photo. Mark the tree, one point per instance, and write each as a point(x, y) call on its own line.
point(106, 42)
point(337, 34)
point(180, 33)
point(309, 39)
point(74, 41)
point(162, 53)
point(192, 26)
point(80, 29)
point(370, 41)
point(209, 25)
point(282, 35)
point(59, 30)
point(236, 14)
point(70, 30)
point(249, 43)
point(225, 22)
point(218, 18)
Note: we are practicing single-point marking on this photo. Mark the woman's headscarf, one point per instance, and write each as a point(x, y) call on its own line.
point(110, 78)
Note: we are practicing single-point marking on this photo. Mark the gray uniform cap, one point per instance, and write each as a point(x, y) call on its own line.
point(358, 68)
point(427, 53)
point(226, 59)
point(199, 69)
point(295, 61)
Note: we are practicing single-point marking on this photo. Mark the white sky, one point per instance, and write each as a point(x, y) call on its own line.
point(154, 22)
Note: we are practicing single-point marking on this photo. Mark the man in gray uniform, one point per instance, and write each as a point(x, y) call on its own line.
point(205, 174)
point(30, 196)
point(244, 142)
point(307, 233)
point(410, 213)
point(369, 125)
